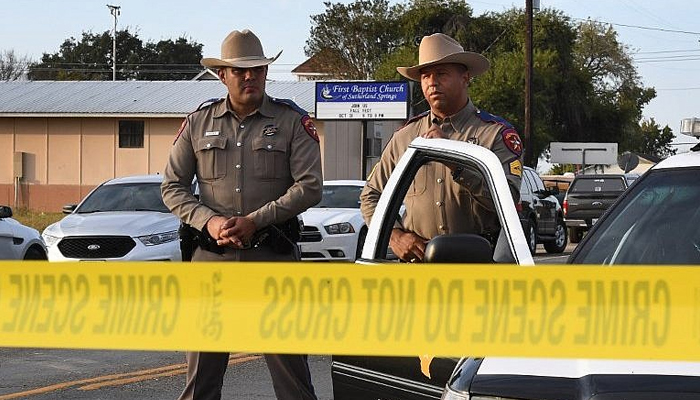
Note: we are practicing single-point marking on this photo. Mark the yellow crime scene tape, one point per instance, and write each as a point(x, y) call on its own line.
point(390, 309)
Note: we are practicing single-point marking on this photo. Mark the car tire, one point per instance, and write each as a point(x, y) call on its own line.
point(558, 245)
point(531, 236)
point(35, 253)
point(575, 235)
point(361, 242)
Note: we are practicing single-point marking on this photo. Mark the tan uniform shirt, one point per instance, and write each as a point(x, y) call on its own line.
point(266, 166)
point(435, 203)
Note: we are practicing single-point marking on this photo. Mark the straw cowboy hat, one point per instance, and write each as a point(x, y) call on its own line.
point(240, 49)
point(439, 48)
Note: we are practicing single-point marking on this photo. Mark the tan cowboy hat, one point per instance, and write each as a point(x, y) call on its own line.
point(240, 49)
point(439, 48)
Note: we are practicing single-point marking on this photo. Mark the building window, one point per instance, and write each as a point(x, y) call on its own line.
point(131, 134)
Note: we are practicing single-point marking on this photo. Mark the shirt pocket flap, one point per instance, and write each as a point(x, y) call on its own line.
point(212, 142)
point(269, 144)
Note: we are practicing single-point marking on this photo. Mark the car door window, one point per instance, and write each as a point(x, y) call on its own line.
point(404, 195)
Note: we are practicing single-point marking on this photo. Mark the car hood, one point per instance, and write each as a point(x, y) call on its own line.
point(574, 368)
point(136, 223)
point(20, 230)
point(327, 216)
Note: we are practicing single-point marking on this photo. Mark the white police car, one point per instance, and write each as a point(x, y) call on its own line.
point(19, 242)
point(334, 229)
point(654, 222)
point(123, 219)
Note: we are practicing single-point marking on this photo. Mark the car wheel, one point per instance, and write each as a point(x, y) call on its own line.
point(575, 235)
point(531, 236)
point(558, 245)
point(35, 253)
point(361, 242)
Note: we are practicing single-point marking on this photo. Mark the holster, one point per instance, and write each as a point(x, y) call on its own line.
point(281, 238)
point(188, 240)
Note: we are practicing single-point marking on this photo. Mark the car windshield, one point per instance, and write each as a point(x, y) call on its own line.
point(597, 185)
point(656, 223)
point(125, 197)
point(337, 196)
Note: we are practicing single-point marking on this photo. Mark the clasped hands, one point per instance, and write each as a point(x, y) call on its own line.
point(233, 232)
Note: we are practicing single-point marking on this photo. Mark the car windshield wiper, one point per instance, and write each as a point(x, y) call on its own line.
point(90, 211)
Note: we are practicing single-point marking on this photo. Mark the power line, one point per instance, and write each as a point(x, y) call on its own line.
point(649, 28)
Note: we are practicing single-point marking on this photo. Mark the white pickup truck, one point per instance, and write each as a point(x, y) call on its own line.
point(360, 377)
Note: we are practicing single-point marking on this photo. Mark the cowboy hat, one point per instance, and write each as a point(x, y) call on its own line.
point(240, 49)
point(439, 48)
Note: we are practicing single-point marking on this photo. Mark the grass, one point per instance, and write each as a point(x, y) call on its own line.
point(38, 220)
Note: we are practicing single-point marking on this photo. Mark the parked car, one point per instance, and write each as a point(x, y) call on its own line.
point(123, 219)
point(654, 222)
point(587, 199)
point(540, 214)
point(362, 377)
point(19, 242)
point(334, 229)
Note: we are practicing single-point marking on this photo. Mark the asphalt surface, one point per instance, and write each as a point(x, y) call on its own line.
point(49, 374)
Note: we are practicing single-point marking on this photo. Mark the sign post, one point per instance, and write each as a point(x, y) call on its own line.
point(583, 153)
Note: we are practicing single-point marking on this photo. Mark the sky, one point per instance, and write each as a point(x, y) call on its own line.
point(662, 34)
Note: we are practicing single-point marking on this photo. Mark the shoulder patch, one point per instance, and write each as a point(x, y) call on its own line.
point(289, 103)
point(516, 168)
point(512, 141)
point(488, 117)
point(310, 128)
point(306, 121)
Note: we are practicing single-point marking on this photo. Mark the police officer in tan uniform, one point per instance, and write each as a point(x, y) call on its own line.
point(445, 199)
point(258, 164)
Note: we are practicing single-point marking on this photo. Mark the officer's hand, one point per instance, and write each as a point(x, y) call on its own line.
point(237, 232)
point(214, 226)
point(434, 133)
point(407, 245)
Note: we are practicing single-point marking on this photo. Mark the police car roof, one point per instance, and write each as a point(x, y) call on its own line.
point(684, 160)
point(135, 179)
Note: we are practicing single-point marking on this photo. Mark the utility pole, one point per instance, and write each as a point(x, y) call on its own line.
point(527, 135)
point(114, 10)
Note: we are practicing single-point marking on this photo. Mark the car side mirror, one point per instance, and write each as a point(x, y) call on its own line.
point(5, 212)
point(459, 248)
point(69, 208)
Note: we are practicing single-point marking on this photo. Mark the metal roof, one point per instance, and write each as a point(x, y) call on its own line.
point(127, 98)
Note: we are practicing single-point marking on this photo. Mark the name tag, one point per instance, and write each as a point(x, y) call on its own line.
point(211, 133)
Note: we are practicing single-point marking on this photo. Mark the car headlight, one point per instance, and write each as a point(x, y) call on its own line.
point(50, 240)
point(336, 229)
point(158, 238)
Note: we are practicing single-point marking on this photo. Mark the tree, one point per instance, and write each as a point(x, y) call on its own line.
point(351, 40)
point(651, 139)
point(90, 58)
point(12, 67)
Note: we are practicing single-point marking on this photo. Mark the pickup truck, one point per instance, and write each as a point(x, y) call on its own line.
point(362, 377)
point(587, 199)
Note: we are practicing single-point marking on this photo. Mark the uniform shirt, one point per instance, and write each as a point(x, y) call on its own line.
point(266, 166)
point(436, 203)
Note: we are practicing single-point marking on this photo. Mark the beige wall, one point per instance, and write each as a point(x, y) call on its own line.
point(65, 158)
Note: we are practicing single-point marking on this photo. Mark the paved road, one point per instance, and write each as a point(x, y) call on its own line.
point(43, 374)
